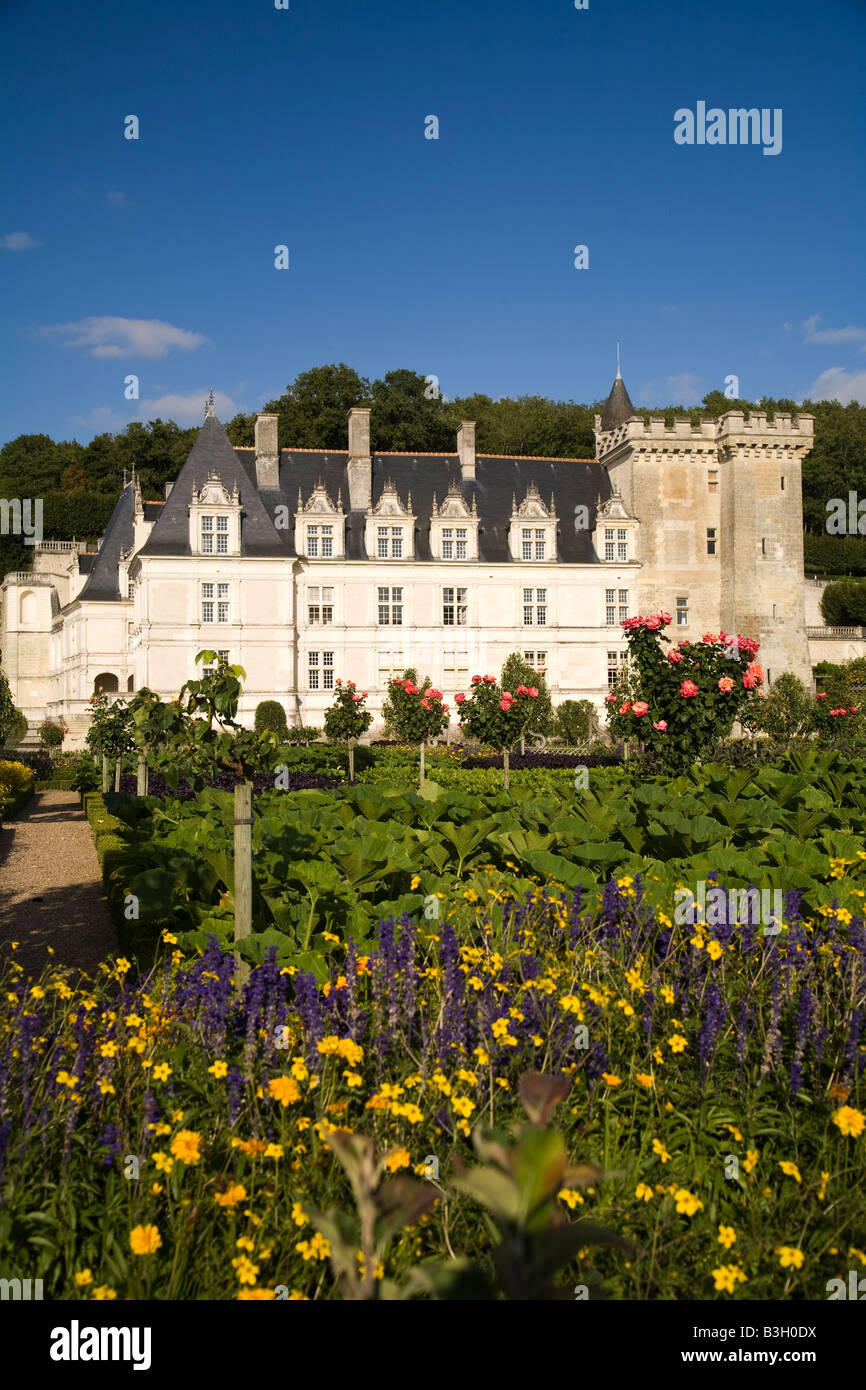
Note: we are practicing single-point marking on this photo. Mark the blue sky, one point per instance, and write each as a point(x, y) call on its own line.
point(306, 127)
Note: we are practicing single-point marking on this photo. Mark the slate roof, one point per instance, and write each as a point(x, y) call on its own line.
point(498, 482)
point(618, 408)
point(102, 582)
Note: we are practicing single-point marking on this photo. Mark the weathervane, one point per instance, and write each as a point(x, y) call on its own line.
point(618, 368)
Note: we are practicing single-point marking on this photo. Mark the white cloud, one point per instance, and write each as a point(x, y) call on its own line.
point(18, 241)
point(118, 200)
point(111, 336)
point(683, 388)
point(811, 324)
point(835, 337)
point(103, 420)
point(836, 384)
point(187, 408)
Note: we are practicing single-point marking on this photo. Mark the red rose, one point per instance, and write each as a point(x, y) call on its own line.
point(505, 704)
point(665, 617)
point(661, 725)
point(822, 696)
point(688, 690)
point(532, 693)
point(624, 708)
point(640, 707)
point(460, 699)
point(476, 680)
point(726, 684)
point(674, 655)
point(489, 680)
point(653, 624)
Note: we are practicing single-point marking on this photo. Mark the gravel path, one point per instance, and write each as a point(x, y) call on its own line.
point(50, 886)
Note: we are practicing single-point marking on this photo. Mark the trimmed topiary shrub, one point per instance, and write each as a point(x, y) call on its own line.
point(271, 715)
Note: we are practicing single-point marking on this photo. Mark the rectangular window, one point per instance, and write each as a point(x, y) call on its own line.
point(526, 544)
point(622, 534)
point(622, 551)
point(535, 607)
point(608, 533)
point(711, 540)
point(539, 549)
point(462, 543)
point(447, 543)
point(537, 660)
point(454, 607)
point(712, 480)
point(682, 612)
point(327, 670)
point(222, 545)
point(608, 550)
point(616, 662)
point(610, 595)
point(222, 523)
point(207, 603)
point(610, 615)
point(313, 671)
point(782, 481)
point(390, 607)
point(222, 655)
point(207, 535)
point(313, 542)
point(222, 540)
point(396, 543)
point(130, 588)
point(222, 603)
point(390, 663)
point(382, 542)
point(327, 542)
point(455, 669)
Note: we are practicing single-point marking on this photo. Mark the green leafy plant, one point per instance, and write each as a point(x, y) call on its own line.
point(347, 718)
point(495, 717)
point(271, 715)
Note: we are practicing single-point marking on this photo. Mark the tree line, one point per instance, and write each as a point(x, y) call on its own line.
point(80, 483)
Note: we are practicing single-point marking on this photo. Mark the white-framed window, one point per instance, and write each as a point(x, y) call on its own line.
point(390, 606)
point(616, 662)
point(682, 612)
point(207, 533)
point(455, 669)
point(537, 660)
point(130, 588)
point(220, 608)
point(389, 542)
point(320, 670)
point(622, 544)
point(320, 603)
point(222, 535)
point(222, 655)
point(534, 607)
point(712, 536)
point(313, 542)
point(610, 607)
point(390, 663)
point(455, 543)
point(327, 541)
point(453, 607)
point(529, 536)
point(623, 605)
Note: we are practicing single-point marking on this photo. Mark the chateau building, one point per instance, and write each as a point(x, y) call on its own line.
point(306, 566)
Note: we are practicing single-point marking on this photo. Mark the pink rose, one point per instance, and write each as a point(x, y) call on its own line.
point(640, 707)
point(364, 695)
point(476, 680)
point(665, 617)
point(674, 655)
point(521, 690)
point(624, 708)
point(507, 695)
point(434, 694)
point(505, 704)
point(653, 624)
point(489, 680)
point(726, 685)
point(821, 696)
point(425, 704)
point(357, 699)
point(460, 699)
point(837, 711)
point(688, 690)
point(661, 725)
point(411, 688)
point(609, 699)
point(532, 692)
point(750, 681)
point(709, 637)
point(853, 709)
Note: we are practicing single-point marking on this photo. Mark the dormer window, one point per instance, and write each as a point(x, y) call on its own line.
point(390, 527)
point(319, 525)
point(454, 542)
point(533, 528)
point(454, 526)
point(214, 519)
point(615, 543)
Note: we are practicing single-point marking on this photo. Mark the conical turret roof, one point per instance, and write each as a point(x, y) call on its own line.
point(618, 408)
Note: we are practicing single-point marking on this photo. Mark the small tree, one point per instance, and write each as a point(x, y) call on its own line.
point(497, 717)
point(271, 715)
point(347, 719)
point(416, 715)
point(575, 720)
point(52, 734)
point(516, 671)
point(7, 711)
point(110, 734)
point(679, 702)
point(784, 713)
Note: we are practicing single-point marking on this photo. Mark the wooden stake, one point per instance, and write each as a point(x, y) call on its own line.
point(507, 768)
point(351, 760)
point(141, 788)
point(243, 876)
point(421, 783)
point(105, 774)
point(118, 763)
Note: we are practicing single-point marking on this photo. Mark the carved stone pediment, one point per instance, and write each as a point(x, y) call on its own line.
point(389, 504)
point(532, 507)
point(214, 493)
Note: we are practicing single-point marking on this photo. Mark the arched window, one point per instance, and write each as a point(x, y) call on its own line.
point(107, 682)
point(130, 684)
point(28, 609)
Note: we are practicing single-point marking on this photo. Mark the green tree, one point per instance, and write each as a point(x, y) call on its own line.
point(843, 604)
point(785, 712)
point(574, 720)
point(347, 719)
point(271, 715)
point(517, 672)
point(7, 710)
point(313, 409)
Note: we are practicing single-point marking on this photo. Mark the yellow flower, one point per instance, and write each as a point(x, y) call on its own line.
point(750, 1160)
point(299, 1216)
point(82, 1278)
point(849, 1121)
point(315, 1249)
point(644, 1078)
point(571, 1198)
point(246, 1270)
point(732, 1129)
point(409, 1112)
point(65, 1078)
point(162, 1072)
point(462, 1105)
point(726, 1278)
point(400, 1158)
point(219, 1070)
point(274, 1151)
point(233, 1194)
point(186, 1145)
point(144, 1240)
point(416, 879)
point(667, 994)
point(353, 1078)
point(687, 1202)
point(714, 950)
point(284, 1089)
point(156, 1188)
point(789, 1256)
point(790, 1169)
point(659, 1148)
point(164, 1164)
point(255, 1295)
point(643, 1192)
point(610, 1078)
point(169, 938)
point(104, 1293)
point(677, 1043)
point(727, 1236)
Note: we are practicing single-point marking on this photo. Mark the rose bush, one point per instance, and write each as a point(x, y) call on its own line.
point(681, 700)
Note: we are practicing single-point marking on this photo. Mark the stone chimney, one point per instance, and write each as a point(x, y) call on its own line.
point(466, 449)
point(267, 451)
point(360, 464)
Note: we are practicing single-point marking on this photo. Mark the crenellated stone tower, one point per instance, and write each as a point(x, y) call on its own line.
point(720, 540)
